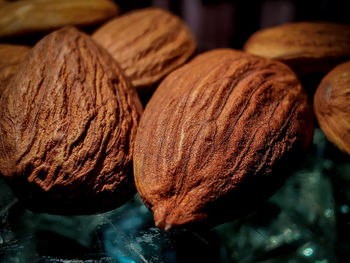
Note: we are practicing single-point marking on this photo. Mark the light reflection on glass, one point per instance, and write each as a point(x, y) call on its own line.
point(308, 252)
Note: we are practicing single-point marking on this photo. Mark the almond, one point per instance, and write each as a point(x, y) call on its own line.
point(28, 16)
point(148, 44)
point(332, 106)
point(214, 134)
point(68, 122)
point(306, 47)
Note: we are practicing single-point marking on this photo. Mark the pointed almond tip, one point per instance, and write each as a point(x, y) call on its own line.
point(167, 227)
point(168, 222)
point(171, 217)
point(164, 225)
point(161, 224)
point(161, 220)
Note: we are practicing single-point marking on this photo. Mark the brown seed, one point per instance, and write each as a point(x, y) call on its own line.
point(67, 125)
point(213, 133)
point(28, 16)
point(148, 44)
point(332, 106)
point(305, 46)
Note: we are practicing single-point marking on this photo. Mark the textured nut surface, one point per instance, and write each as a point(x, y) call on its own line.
point(332, 106)
point(10, 57)
point(147, 43)
point(305, 46)
point(68, 122)
point(26, 16)
point(212, 134)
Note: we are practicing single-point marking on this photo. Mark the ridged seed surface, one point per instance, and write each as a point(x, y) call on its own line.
point(68, 123)
point(217, 123)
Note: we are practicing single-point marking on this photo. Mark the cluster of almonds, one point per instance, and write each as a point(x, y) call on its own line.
point(213, 140)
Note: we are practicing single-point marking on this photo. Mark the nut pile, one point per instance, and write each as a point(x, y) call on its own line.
point(213, 139)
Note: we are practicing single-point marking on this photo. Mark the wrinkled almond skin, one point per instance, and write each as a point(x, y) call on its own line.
point(68, 122)
point(148, 44)
point(28, 16)
point(332, 106)
point(305, 46)
point(10, 57)
point(212, 134)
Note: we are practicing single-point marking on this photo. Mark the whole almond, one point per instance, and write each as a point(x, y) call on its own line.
point(148, 44)
point(10, 57)
point(212, 135)
point(28, 16)
point(332, 106)
point(68, 122)
point(305, 46)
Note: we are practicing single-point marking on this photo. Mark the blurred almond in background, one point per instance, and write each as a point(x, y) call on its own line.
point(30, 16)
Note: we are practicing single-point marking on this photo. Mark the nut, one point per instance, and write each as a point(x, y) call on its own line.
point(23, 17)
point(332, 106)
point(213, 133)
point(148, 44)
point(305, 46)
point(67, 127)
point(10, 57)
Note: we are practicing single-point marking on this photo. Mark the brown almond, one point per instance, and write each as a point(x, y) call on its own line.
point(68, 122)
point(305, 46)
point(148, 44)
point(28, 16)
point(212, 135)
point(10, 57)
point(332, 106)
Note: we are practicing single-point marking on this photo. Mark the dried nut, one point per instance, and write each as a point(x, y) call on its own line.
point(68, 122)
point(305, 46)
point(212, 134)
point(332, 106)
point(27, 16)
point(10, 57)
point(147, 43)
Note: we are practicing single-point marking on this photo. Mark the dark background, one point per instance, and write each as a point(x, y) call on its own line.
point(224, 23)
